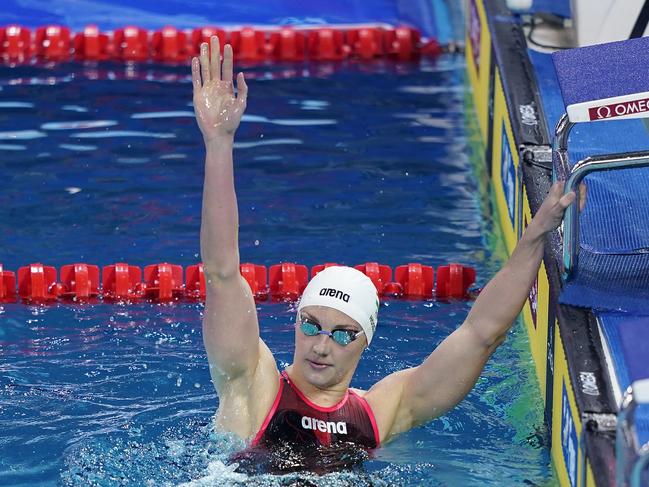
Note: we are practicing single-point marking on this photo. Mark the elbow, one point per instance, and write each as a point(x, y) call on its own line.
point(488, 336)
point(220, 264)
point(215, 279)
point(215, 274)
point(492, 343)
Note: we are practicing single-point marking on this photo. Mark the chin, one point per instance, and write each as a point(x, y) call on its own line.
point(321, 382)
point(320, 378)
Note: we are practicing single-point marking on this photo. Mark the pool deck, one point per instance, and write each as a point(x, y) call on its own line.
point(585, 334)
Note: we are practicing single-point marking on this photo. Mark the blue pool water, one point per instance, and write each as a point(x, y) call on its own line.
point(352, 164)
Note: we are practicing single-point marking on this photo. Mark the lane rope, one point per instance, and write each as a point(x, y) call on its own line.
point(21, 45)
point(164, 282)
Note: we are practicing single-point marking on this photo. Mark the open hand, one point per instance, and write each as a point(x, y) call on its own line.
point(218, 110)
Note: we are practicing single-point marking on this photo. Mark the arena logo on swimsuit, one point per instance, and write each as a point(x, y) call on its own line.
point(324, 426)
point(334, 293)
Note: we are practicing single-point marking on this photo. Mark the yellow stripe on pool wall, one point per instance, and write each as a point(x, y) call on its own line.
point(566, 424)
point(511, 210)
point(478, 60)
point(590, 478)
point(536, 312)
point(504, 167)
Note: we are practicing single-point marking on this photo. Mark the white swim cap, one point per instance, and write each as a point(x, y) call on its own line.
point(348, 290)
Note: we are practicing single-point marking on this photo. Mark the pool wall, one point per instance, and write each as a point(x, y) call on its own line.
point(518, 158)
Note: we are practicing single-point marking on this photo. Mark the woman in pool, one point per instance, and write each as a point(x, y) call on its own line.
point(310, 403)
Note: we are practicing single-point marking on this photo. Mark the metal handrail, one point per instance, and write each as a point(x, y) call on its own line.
point(584, 167)
point(560, 147)
point(574, 176)
point(639, 466)
point(636, 394)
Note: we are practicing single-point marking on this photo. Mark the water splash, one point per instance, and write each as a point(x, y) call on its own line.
point(190, 455)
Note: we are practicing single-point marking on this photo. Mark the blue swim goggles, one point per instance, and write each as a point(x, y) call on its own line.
point(340, 336)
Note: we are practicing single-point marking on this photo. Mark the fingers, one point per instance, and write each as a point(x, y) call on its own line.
point(242, 89)
point(227, 63)
point(557, 189)
point(215, 58)
point(205, 63)
point(556, 193)
point(196, 75)
point(567, 199)
point(208, 66)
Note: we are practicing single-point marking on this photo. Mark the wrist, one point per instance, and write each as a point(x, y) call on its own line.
point(219, 142)
point(533, 234)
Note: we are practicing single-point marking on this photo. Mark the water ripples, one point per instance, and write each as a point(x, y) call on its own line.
point(107, 395)
point(22, 135)
point(76, 125)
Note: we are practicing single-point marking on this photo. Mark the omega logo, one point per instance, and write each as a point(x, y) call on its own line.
point(603, 112)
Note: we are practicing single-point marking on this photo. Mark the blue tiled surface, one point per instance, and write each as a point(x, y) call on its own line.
point(626, 336)
point(603, 70)
point(613, 270)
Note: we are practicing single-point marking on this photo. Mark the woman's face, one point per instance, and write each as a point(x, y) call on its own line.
point(322, 362)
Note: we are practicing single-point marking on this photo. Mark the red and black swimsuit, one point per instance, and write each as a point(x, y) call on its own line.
point(298, 434)
point(295, 419)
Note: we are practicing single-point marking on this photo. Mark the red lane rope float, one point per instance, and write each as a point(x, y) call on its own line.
point(38, 283)
point(123, 282)
point(453, 280)
point(131, 44)
point(7, 285)
point(91, 45)
point(15, 44)
point(170, 45)
point(79, 281)
point(416, 280)
point(52, 43)
point(164, 282)
point(288, 280)
point(288, 44)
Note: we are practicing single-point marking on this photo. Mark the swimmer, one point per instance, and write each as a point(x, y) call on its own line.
point(310, 403)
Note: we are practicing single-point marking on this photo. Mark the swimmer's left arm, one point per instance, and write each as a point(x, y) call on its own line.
point(502, 299)
point(449, 373)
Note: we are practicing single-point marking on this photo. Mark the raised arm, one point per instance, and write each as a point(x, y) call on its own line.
point(451, 370)
point(230, 327)
point(500, 302)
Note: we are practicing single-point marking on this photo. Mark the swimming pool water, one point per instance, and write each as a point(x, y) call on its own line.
point(348, 164)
